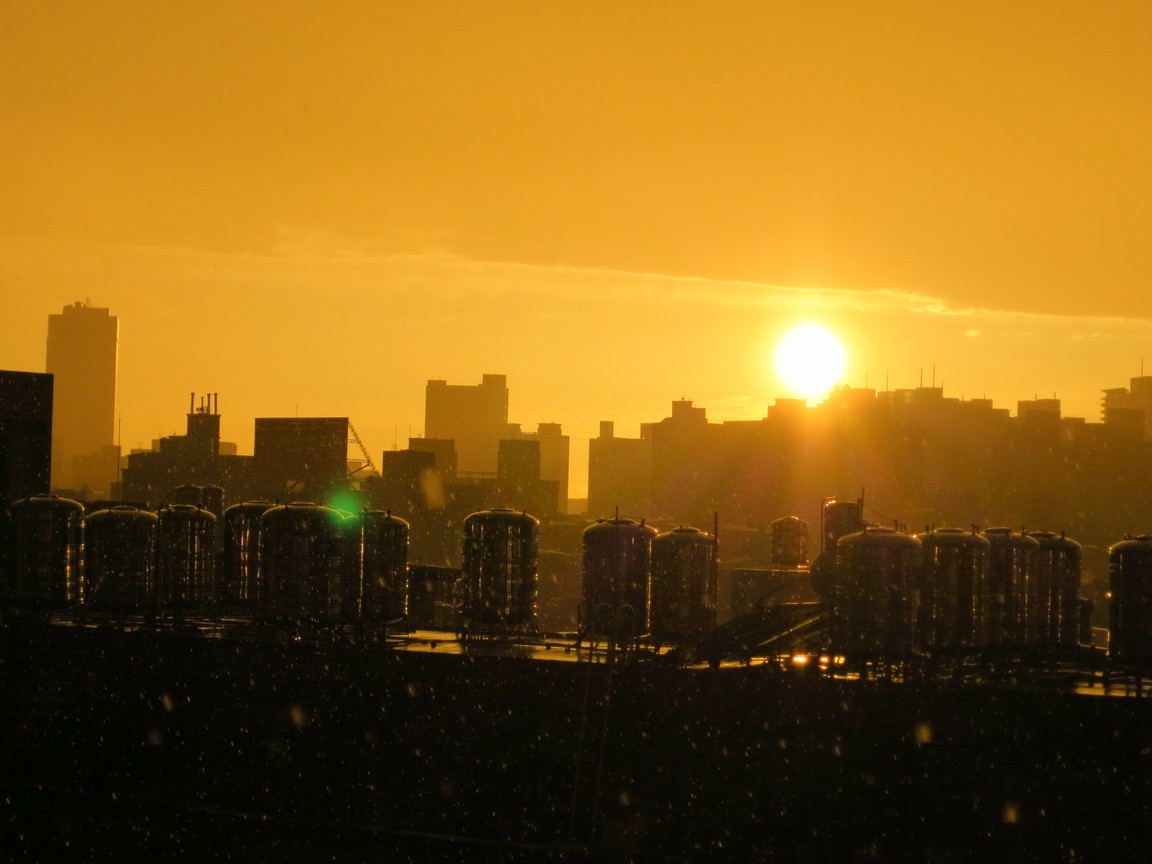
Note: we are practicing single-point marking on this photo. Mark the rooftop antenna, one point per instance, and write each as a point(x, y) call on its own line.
point(921, 376)
point(933, 376)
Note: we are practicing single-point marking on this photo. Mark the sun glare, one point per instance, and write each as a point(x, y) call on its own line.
point(810, 359)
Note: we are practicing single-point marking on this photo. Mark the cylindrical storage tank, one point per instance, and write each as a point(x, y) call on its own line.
point(351, 579)
point(188, 493)
point(839, 519)
point(876, 595)
point(955, 601)
point(1055, 595)
point(617, 572)
point(241, 551)
point(212, 500)
point(1011, 569)
point(186, 557)
point(683, 599)
point(46, 553)
point(384, 565)
point(301, 565)
point(1130, 609)
point(789, 542)
point(499, 570)
point(120, 559)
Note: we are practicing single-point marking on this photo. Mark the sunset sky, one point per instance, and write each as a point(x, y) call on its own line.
point(312, 207)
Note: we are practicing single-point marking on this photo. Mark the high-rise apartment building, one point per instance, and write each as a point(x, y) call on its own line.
point(474, 416)
point(82, 348)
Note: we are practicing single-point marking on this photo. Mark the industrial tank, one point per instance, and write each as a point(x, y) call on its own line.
point(1130, 610)
point(384, 565)
point(302, 576)
point(617, 572)
point(1055, 595)
point(789, 542)
point(876, 594)
point(683, 584)
point(186, 557)
point(46, 553)
point(120, 559)
point(241, 551)
point(955, 601)
point(499, 571)
point(1011, 569)
point(839, 519)
point(186, 493)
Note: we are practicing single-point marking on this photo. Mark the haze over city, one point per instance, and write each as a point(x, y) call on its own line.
point(314, 210)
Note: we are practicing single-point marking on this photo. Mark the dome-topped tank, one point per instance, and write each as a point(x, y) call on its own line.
point(241, 545)
point(302, 575)
point(684, 585)
point(876, 595)
point(47, 547)
point(1011, 569)
point(1130, 611)
point(186, 557)
point(120, 559)
point(789, 542)
point(955, 601)
point(617, 572)
point(839, 519)
point(499, 571)
point(383, 550)
point(1055, 596)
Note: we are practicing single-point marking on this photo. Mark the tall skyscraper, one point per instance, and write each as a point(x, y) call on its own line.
point(82, 349)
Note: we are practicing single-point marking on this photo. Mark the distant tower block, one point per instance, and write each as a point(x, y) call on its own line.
point(82, 348)
point(475, 416)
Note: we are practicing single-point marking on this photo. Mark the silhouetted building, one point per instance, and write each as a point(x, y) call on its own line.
point(518, 481)
point(25, 434)
point(197, 457)
point(619, 473)
point(554, 459)
point(1129, 408)
point(474, 416)
point(444, 449)
point(921, 458)
point(305, 457)
point(294, 459)
point(82, 348)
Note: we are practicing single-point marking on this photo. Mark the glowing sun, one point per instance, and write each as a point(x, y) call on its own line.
point(810, 359)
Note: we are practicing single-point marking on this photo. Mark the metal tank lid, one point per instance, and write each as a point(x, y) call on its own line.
point(505, 514)
point(187, 510)
point(1141, 542)
point(1052, 539)
point(954, 537)
point(386, 516)
point(44, 498)
point(786, 520)
point(248, 505)
point(879, 534)
point(685, 531)
point(619, 525)
point(124, 511)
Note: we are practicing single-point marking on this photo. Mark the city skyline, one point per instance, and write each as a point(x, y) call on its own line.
point(313, 213)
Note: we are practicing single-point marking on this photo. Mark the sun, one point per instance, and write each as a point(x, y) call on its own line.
point(810, 359)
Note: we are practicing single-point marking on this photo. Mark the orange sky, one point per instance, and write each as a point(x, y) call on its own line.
point(315, 207)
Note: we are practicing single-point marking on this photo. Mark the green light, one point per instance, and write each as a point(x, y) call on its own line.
point(345, 501)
